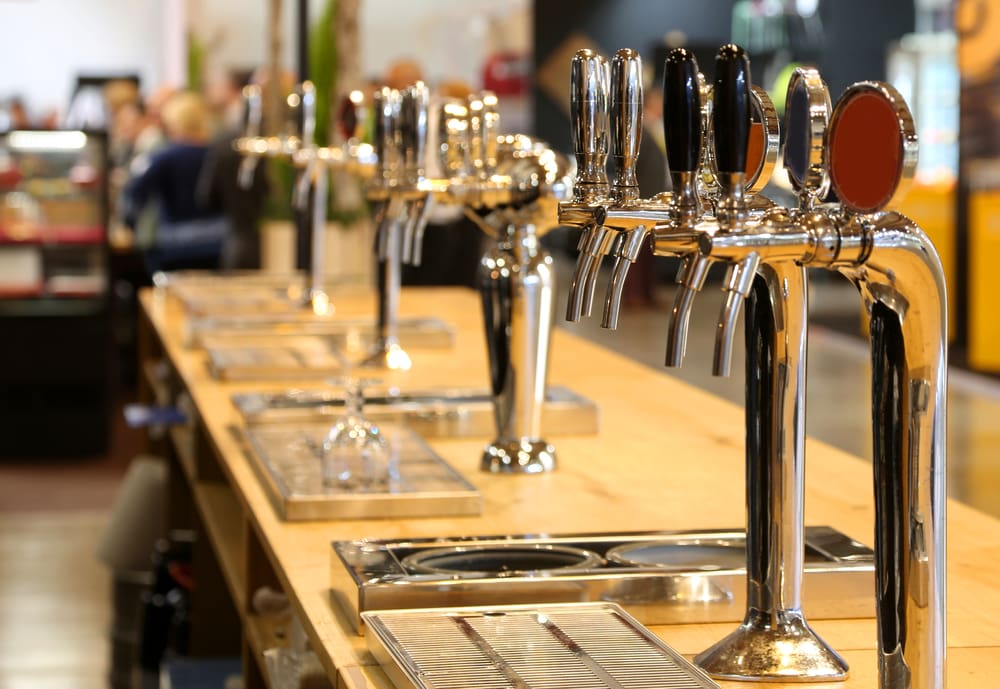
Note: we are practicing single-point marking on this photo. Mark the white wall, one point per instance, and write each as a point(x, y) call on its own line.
point(44, 44)
point(450, 39)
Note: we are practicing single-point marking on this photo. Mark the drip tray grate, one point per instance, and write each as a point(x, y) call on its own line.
point(579, 645)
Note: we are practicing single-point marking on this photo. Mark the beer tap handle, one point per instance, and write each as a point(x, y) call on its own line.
point(453, 140)
point(588, 107)
point(690, 279)
point(490, 132)
point(739, 280)
point(626, 134)
point(413, 132)
point(254, 114)
point(682, 130)
point(625, 122)
point(731, 120)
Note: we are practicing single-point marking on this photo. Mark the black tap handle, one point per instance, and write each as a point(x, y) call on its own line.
point(682, 111)
point(731, 111)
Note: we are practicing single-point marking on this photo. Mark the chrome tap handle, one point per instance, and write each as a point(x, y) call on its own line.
point(626, 122)
point(453, 140)
point(254, 115)
point(626, 134)
point(413, 131)
point(731, 119)
point(478, 124)
point(682, 130)
point(490, 132)
point(588, 108)
point(739, 280)
point(690, 279)
point(387, 135)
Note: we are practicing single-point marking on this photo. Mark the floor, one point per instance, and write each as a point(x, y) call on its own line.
point(55, 595)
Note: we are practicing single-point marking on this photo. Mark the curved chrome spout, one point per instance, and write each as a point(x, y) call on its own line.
point(902, 286)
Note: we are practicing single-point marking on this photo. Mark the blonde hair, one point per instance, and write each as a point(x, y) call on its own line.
point(185, 116)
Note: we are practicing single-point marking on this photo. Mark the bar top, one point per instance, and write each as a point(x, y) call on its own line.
point(668, 456)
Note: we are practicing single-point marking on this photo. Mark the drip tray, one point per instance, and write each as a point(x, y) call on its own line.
point(299, 357)
point(516, 647)
point(421, 483)
point(445, 412)
point(664, 577)
point(351, 332)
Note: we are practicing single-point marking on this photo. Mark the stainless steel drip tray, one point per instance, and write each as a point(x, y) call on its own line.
point(662, 577)
point(444, 412)
point(352, 332)
point(421, 483)
point(589, 645)
point(300, 357)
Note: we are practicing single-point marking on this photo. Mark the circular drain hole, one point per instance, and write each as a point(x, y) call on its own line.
point(501, 560)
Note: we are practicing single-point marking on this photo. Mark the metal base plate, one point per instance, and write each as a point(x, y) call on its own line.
point(839, 576)
point(581, 645)
point(763, 650)
point(422, 484)
point(444, 412)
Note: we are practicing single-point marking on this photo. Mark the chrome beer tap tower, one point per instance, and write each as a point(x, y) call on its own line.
point(863, 150)
point(296, 142)
point(509, 186)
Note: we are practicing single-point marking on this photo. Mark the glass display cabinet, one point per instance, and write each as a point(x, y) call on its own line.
point(54, 309)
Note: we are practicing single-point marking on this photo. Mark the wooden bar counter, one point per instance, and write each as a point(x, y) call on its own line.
point(668, 456)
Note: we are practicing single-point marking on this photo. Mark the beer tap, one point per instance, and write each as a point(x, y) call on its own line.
point(390, 215)
point(296, 142)
point(870, 149)
point(589, 114)
point(774, 641)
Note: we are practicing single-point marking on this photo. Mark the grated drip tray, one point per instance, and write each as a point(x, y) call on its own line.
point(584, 645)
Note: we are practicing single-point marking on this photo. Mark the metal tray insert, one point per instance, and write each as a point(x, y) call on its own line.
point(660, 577)
point(585, 646)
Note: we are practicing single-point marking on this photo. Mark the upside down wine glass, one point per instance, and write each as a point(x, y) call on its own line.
point(355, 453)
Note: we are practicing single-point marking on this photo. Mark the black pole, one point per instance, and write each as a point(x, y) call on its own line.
point(303, 248)
point(302, 38)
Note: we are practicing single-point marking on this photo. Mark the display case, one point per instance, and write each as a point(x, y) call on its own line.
point(54, 356)
point(52, 215)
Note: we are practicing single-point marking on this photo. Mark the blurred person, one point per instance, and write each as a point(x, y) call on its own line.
point(218, 184)
point(187, 234)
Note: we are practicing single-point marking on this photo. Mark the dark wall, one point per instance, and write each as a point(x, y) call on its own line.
point(638, 24)
point(857, 34)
